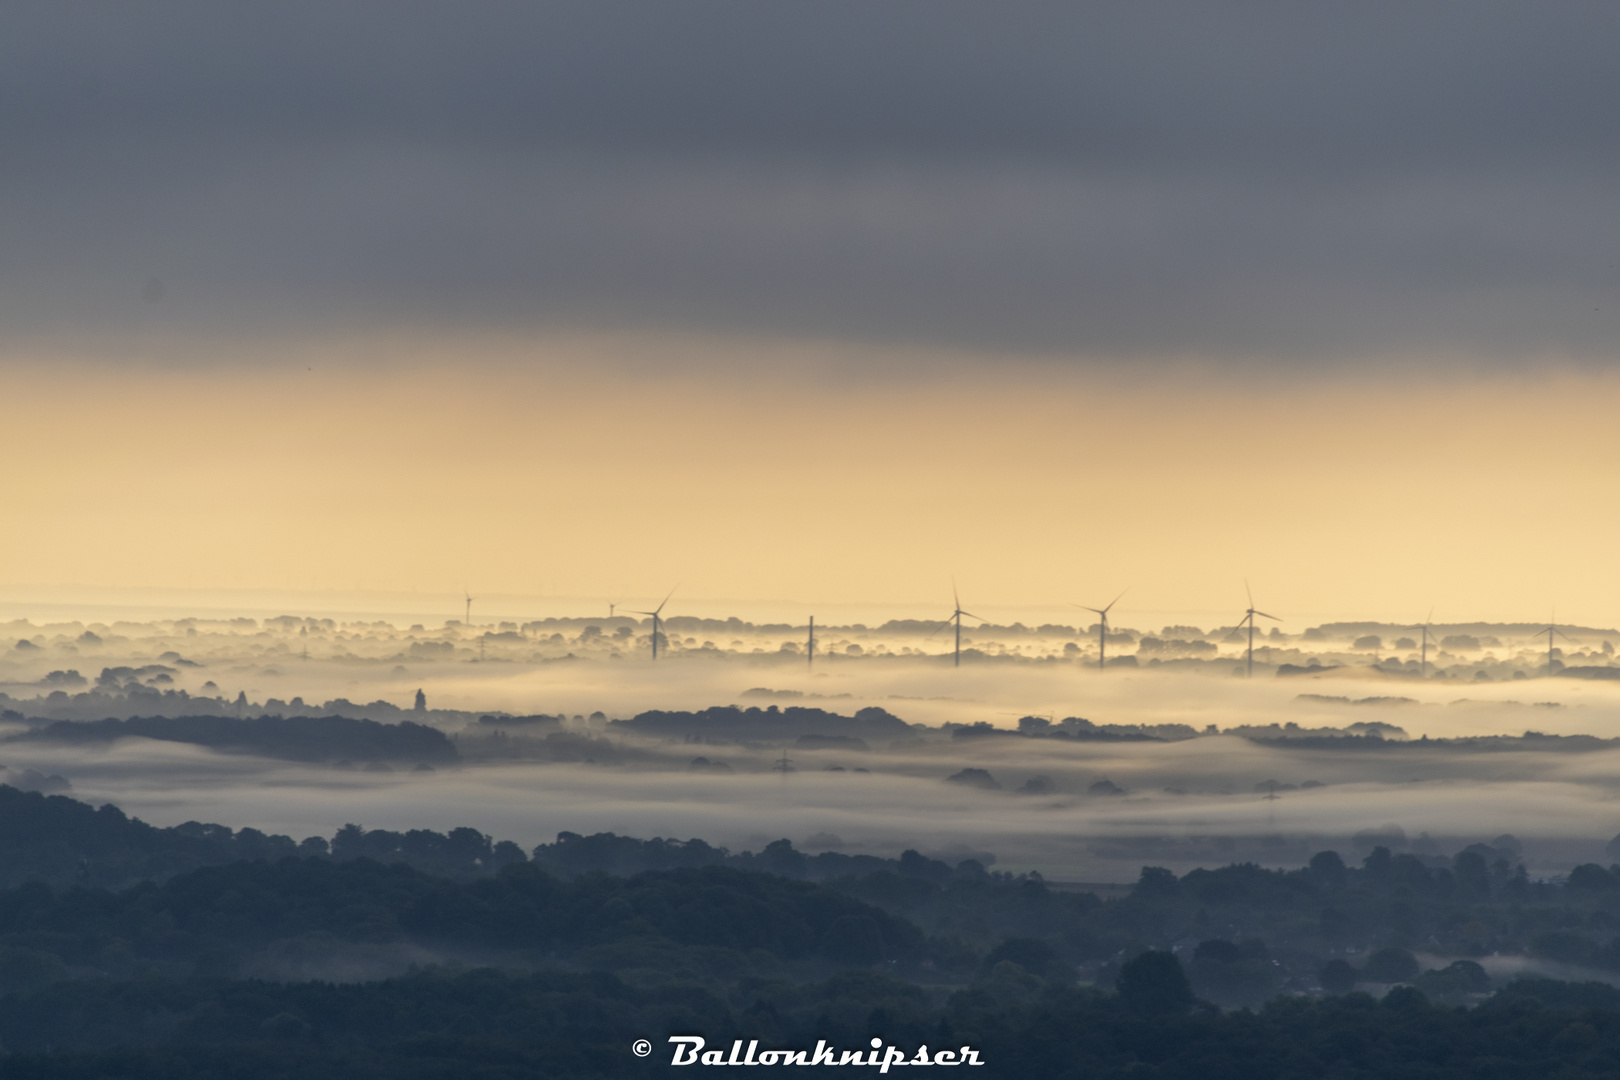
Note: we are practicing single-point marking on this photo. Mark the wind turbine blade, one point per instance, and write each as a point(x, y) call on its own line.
point(632, 611)
point(1273, 618)
point(1098, 610)
point(956, 597)
point(1249, 591)
point(940, 627)
point(665, 600)
point(1114, 601)
point(970, 615)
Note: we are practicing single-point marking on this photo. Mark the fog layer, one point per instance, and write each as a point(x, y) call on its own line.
point(1181, 763)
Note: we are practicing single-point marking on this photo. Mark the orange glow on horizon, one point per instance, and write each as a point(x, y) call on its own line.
point(585, 467)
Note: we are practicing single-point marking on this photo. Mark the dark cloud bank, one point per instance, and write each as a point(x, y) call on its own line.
point(1108, 179)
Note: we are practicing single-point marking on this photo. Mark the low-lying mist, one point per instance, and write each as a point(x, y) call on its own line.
point(1180, 763)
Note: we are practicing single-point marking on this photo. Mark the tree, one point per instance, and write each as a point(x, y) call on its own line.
point(1473, 877)
point(1155, 882)
point(854, 939)
point(1389, 965)
point(349, 841)
point(1328, 869)
point(1337, 977)
point(1591, 877)
point(1154, 984)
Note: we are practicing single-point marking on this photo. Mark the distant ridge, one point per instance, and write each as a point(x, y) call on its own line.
point(730, 722)
point(296, 738)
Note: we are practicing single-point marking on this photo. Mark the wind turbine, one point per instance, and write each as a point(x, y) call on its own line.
point(467, 619)
point(657, 619)
point(1102, 627)
point(956, 617)
point(1550, 631)
point(1248, 617)
point(1423, 661)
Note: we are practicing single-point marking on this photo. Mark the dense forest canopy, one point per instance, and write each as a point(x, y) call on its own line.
point(149, 952)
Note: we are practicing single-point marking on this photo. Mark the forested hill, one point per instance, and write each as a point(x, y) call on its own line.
point(59, 840)
point(423, 954)
point(263, 917)
point(294, 738)
point(559, 1025)
point(1267, 931)
point(238, 971)
point(56, 839)
point(573, 854)
point(730, 722)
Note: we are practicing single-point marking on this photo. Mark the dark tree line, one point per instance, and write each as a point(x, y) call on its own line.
point(127, 950)
point(571, 1025)
point(730, 722)
point(293, 738)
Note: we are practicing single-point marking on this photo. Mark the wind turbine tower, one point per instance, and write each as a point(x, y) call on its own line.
point(1551, 631)
point(1102, 627)
point(956, 617)
point(657, 618)
point(1248, 617)
point(1423, 655)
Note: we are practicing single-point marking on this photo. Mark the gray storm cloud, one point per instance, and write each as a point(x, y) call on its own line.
point(1117, 180)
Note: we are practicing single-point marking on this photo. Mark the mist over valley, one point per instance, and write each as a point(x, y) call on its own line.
point(1026, 753)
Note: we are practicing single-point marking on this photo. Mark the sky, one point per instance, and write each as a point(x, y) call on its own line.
point(815, 304)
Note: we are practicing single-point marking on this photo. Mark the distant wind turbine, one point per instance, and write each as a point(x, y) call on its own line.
point(1248, 617)
point(467, 618)
point(1423, 656)
point(1550, 631)
point(956, 617)
point(1102, 627)
point(657, 618)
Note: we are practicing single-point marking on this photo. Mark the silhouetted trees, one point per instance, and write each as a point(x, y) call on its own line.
point(730, 722)
point(1154, 984)
point(151, 979)
point(294, 738)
